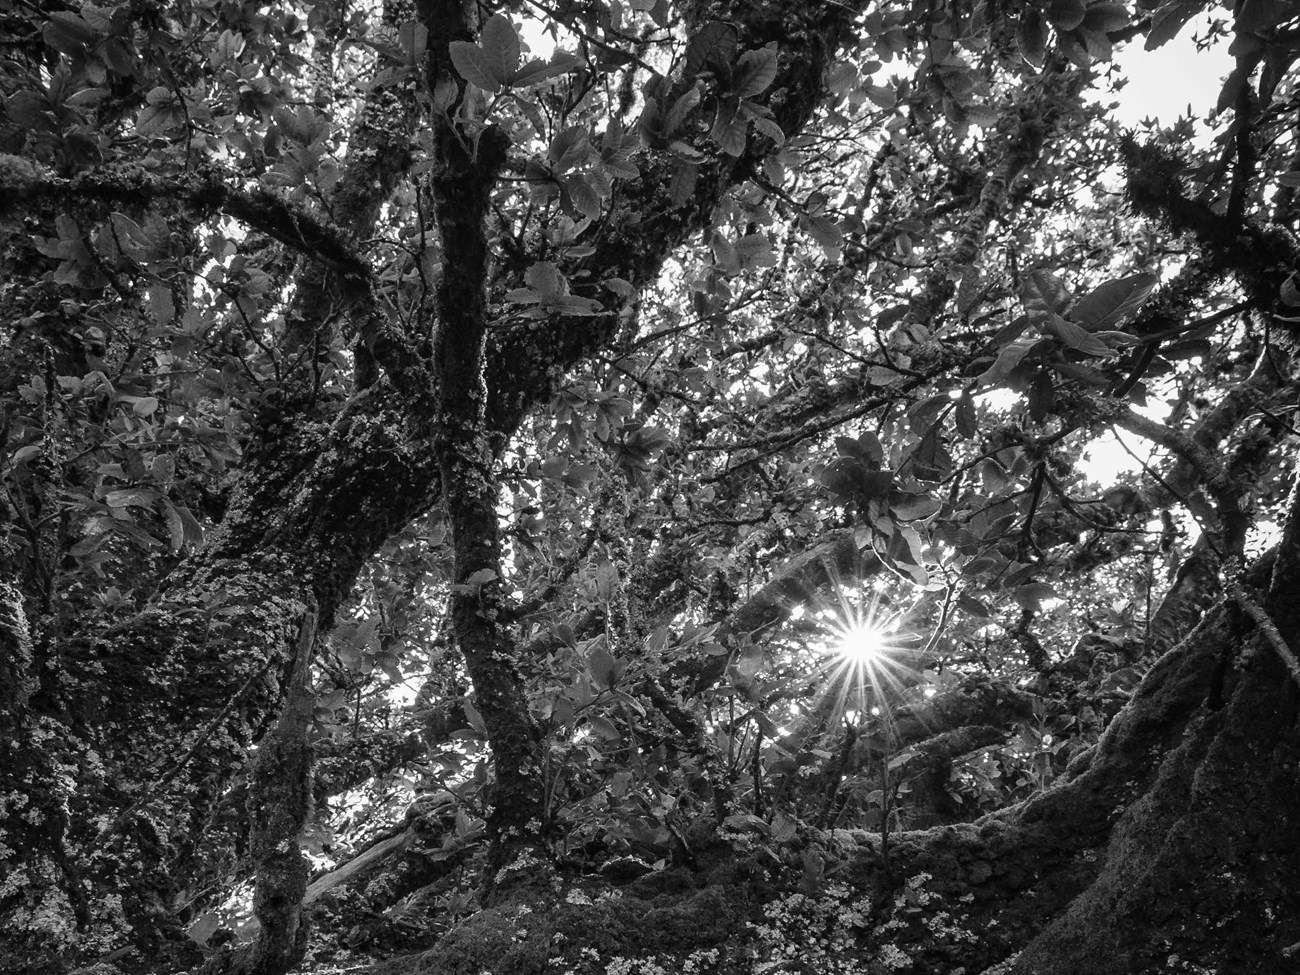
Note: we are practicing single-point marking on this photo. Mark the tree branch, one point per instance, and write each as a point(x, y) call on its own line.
point(1267, 628)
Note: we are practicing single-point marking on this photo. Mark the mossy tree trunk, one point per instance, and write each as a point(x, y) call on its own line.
point(279, 807)
point(1201, 867)
point(462, 189)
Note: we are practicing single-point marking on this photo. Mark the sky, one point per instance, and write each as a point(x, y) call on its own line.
point(1163, 82)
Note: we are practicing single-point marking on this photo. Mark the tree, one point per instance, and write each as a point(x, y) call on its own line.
point(595, 367)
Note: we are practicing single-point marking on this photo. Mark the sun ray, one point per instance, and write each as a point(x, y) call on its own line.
point(866, 658)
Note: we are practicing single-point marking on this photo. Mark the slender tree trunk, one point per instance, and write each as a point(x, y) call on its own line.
point(462, 192)
point(279, 807)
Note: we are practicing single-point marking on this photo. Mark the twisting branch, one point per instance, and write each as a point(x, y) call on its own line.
point(1214, 474)
point(205, 191)
point(1222, 486)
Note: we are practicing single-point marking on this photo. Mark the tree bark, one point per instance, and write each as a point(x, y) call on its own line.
point(279, 806)
point(469, 165)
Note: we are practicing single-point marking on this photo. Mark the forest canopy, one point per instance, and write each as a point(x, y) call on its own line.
point(621, 486)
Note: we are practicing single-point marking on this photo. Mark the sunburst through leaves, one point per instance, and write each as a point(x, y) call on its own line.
point(868, 658)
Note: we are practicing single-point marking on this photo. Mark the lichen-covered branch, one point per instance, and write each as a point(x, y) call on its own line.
point(207, 191)
point(1214, 475)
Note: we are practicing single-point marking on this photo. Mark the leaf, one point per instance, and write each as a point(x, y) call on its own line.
point(68, 33)
point(1105, 18)
point(131, 497)
point(866, 447)
point(603, 727)
point(583, 196)
point(1235, 85)
point(175, 528)
point(730, 137)
point(1032, 595)
point(87, 97)
point(967, 422)
point(907, 506)
point(772, 167)
point(616, 149)
point(580, 474)
point(537, 71)
point(754, 251)
point(574, 305)
point(747, 823)
point(973, 606)
point(414, 38)
point(1096, 44)
point(545, 278)
point(930, 460)
point(841, 476)
point(569, 147)
point(161, 306)
point(1169, 20)
point(193, 530)
point(475, 718)
point(1110, 303)
point(230, 45)
point(891, 315)
point(501, 48)
point(1031, 36)
point(882, 95)
point(481, 577)
point(604, 669)
point(1076, 337)
point(474, 65)
point(23, 454)
point(1066, 14)
point(712, 44)
point(826, 232)
point(676, 115)
point(905, 551)
point(875, 484)
point(757, 70)
point(1008, 359)
point(766, 725)
point(145, 406)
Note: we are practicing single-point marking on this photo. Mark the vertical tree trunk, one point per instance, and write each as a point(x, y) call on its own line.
point(1203, 866)
point(469, 164)
point(278, 808)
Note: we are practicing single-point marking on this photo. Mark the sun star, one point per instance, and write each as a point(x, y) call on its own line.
point(860, 644)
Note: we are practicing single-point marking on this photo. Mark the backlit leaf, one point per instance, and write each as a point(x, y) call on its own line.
point(1111, 303)
point(474, 66)
point(500, 45)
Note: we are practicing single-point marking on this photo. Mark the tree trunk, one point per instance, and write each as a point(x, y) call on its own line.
point(279, 807)
point(462, 192)
point(1201, 868)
